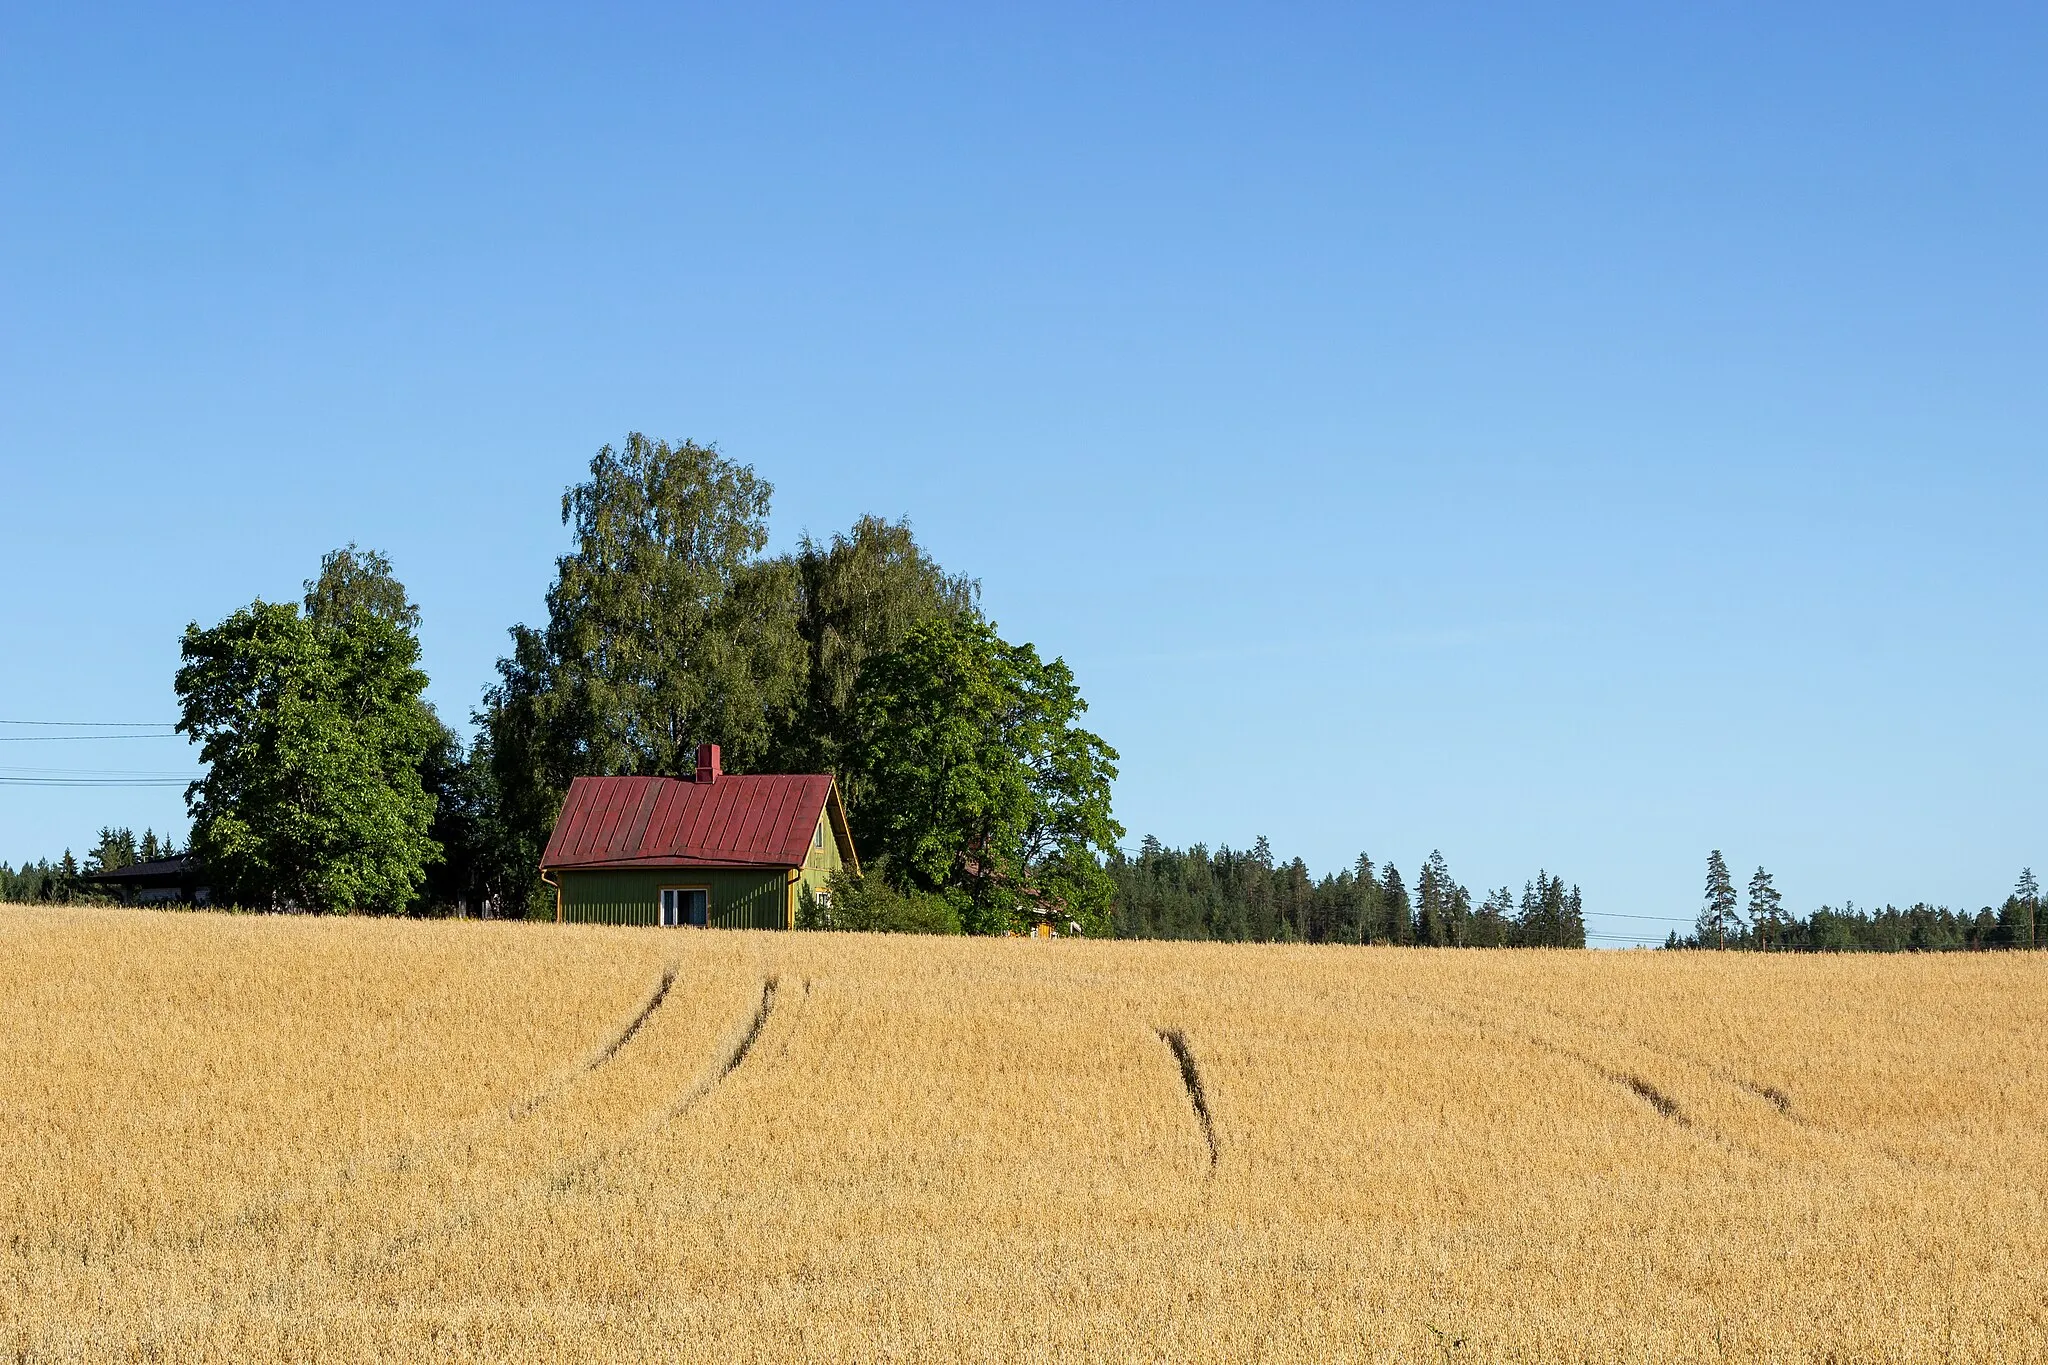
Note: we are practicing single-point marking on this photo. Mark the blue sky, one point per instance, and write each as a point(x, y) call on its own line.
point(1569, 437)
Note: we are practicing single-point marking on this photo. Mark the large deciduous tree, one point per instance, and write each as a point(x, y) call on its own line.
point(980, 781)
point(859, 595)
point(666, 629)
point(313, 732)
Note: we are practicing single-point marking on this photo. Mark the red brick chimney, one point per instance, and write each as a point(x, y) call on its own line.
point(707, 762)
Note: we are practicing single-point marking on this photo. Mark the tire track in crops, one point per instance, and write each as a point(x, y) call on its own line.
point(737, 1054)
point(566, 1178)
point(1191, 1080)
point(1778, 1099)
point(1721, 1071)
point(605, 1053)
point(1663, 1105)
point(404, 1159)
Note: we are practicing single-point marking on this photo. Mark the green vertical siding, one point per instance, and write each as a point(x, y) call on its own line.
point(749, 899)
point(820, 863)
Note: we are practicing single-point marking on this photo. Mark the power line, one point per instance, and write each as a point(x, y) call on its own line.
point(1653, 919)
point(93, 782)
point(98, 724)
point(89, 772)
point(50, 739)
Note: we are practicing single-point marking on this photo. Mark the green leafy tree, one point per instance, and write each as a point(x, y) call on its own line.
point(1717, 919)
point(868, 904)
point(313, 737)
point(859, 595)
point(980, 779)
point(666, 629)
point(353, 580)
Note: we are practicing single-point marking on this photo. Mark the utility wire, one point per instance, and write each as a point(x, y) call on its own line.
point(50, 739)
point(98, 724)
point(93, 782)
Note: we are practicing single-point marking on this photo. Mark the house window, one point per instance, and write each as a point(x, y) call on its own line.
point(821, 898)
point(685, 905)
point(818, 835)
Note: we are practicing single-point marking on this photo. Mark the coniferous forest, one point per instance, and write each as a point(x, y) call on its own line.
point(1759, 922)
point(1248, 896)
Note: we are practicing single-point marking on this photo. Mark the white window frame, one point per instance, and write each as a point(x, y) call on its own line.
point(662, 909)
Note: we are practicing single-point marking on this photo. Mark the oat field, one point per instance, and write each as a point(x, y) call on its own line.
point(255, 1139)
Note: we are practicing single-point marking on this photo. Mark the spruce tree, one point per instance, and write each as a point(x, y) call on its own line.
point(1572, 924)
point(1493, 927)
point(1430, 902)
point(1400, 916)
point(1365, 898)
point(1459, 921)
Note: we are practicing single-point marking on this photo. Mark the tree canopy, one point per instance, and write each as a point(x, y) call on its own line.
point(668, 627)
point(980, 781)
point(313, 733)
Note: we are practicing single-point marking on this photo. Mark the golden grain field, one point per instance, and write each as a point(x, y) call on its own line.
point(267, 1138)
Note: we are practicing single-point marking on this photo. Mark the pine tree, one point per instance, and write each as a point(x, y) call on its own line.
point(1717, 915)
point(1763, 906)
point(2028, 893)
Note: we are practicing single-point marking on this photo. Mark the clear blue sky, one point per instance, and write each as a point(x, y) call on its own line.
point(1571, 437)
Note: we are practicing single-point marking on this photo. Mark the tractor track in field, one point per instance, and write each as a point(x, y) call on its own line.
point(1635, 1085)
point(733, 1057)
point(404, 1158)
point(1191, 1080)
point(580, 1172)
point(1721, 1071)
point(668, 979)
point(554, 1089)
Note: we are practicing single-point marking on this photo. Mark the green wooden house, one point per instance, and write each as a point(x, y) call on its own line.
point(720, 851)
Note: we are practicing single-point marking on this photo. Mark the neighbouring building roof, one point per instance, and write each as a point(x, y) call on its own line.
point(159, 872)
point(720, 820)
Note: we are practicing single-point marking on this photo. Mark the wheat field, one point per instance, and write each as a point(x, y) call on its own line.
point(268, 1138)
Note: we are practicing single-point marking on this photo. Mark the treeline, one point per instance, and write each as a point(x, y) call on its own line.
point(1761, 924)
point(1248, 896)
point(976, 797)
point(62, 880)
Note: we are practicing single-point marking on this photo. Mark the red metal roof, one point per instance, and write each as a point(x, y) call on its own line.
point(662, 822)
